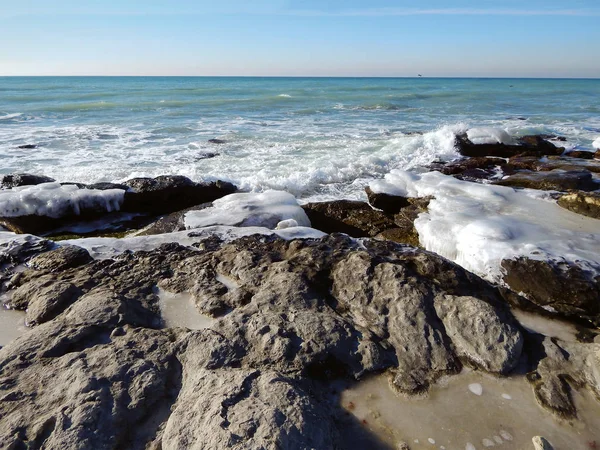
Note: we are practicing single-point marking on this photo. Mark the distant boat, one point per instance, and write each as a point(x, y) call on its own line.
point(420, 75)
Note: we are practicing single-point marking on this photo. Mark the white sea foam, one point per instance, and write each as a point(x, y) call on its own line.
point(478, 226)
point(268, 209)
point(10, 116)
point(489, 136)
point(54, 200)
point(596, 143)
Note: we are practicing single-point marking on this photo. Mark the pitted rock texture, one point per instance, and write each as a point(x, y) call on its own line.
point(293, 317)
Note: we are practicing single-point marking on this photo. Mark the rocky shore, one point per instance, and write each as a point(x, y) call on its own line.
point(303, 301)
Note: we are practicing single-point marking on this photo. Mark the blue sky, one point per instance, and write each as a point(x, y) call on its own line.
point(550, 38)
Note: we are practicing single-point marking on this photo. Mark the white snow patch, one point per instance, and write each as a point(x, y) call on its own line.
point(55, 200)
point(478, 226)
point(489, 136)
point(476, 388)
point(266, 209)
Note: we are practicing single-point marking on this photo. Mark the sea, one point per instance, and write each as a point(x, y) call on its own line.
point(317, 138)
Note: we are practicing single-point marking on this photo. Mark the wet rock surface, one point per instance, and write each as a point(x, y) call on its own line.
point(144, 199)
point(566, 288)
point(23, 179)
point(555, 180)
point(527, 145)
point(585, 203)
point(293, 317)
point(170, 193)
point(354, 218)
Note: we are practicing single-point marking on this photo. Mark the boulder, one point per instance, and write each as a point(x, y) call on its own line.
point(550, 163)
point(23, 179)
point(389, 204)
point(27, 146)
point(580, 154)
point(530, 145)
point(354, 218)
point(473, 169)
point(217, 141)
point(554, 180)
point(562, 287)
point(585, 203)
point(170, 193)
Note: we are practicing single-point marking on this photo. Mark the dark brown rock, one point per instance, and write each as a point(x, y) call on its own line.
point(555, 180)
point(566, 288)
point(354, 218)
point(23, 179)
point(531, 145)
point(585, 203)
point(171, 193)
point(217, 141)
point(27, 146)
point(389, 204)
point(580, 154)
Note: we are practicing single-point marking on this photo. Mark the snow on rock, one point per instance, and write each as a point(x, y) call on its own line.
point(55, 200)
point(478, 226)
point(267, 209)
point(490, 136)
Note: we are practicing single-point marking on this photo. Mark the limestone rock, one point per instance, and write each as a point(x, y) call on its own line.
point(555, 180)
point(169, 193)
point(566, 288)
point(354, 218)
point(585, 203)
point(23, 179)
point(389, 204)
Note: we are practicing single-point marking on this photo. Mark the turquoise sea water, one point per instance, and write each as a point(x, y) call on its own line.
point(315, 137)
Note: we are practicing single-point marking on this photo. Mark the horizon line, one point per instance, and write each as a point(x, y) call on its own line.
point(490, 77)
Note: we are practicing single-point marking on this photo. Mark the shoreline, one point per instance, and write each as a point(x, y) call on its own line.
point(294, 310)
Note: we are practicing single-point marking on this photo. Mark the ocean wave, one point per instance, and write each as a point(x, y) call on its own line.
point(10, 116)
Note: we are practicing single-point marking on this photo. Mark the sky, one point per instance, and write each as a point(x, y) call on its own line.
point(452, 38)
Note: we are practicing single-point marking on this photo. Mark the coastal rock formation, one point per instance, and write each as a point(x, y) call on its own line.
point(470, 169)
point(585, 203)
point(170, 193)
point(23, 179)
point(293, 316)
point(43, 208)
point(527, 145)
point(566, 288)
point(354, 218)
point(555, 180)
point(358, 219)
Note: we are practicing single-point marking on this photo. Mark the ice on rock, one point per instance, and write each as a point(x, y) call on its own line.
point(489, 136)
point(55, 200)
point(103, 247)
point(267, 209)
point(478, 225)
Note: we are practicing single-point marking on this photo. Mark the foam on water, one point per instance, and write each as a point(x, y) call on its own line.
point(478, 226)
point(596, 143)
